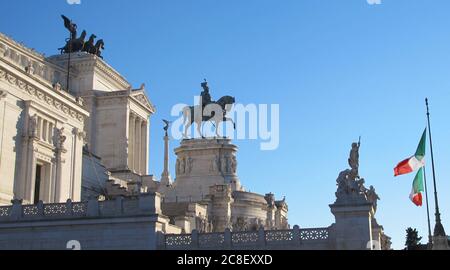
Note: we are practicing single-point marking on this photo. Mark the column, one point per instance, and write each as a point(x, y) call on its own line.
point(30, 171)
point(137, 155)
point(131, 129)
point(39, 128)
point(143, 148)
point(166, 180)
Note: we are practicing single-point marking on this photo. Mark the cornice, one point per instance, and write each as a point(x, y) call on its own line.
point(21, 46)
point(82, 61)
point(44, 96)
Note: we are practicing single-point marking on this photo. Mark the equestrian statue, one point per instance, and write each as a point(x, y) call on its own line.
point(208, 110)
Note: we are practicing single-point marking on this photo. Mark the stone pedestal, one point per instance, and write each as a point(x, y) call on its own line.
point(221, 201)
point(202, 163)
point(377, 234)
point(440, 243)
point(353, 227)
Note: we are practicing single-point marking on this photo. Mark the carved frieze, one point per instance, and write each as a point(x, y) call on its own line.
point(31, 90)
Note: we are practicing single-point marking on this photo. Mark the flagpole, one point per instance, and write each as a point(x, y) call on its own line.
point(438, 228)
point(430, 239)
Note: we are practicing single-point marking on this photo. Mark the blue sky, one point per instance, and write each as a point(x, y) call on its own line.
point(338, 69)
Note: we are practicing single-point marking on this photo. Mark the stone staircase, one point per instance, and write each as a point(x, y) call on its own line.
point(113, 188)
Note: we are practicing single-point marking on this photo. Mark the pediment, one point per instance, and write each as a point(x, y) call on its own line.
point(142, 99)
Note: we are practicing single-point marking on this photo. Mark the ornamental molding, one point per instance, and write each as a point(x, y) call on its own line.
point(143, 100)
point(29, 61)
point(84, 62)
point(41, 95)
point(21, 46)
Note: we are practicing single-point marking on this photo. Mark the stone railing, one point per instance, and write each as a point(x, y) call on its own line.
point(148, 203)
point(296, 238)
point(180, 199)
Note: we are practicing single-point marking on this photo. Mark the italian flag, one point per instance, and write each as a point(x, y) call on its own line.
point(417, 188)
point(415, 162)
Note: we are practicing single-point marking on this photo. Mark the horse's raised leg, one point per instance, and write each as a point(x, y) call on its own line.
point(199, 125)
point(217, 130)
point(186, 126)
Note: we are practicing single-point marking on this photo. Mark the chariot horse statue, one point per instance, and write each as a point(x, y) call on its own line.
point(208, 110)
point(77, 44)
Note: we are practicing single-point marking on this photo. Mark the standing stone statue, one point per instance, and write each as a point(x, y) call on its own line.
point(233, 164)
point(215, 163)
point(190, 164)
point(183, 165)
point(177, 166)
point(60, 138)
point(226, 164)
point(372, 197)
point(353, 160)
point(350, 184)
point(33, 126)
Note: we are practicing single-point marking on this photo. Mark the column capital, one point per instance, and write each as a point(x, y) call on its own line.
point(132, 115)
point(3, 94)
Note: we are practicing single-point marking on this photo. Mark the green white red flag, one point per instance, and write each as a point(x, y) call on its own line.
point(415, 162)
point(417, 188)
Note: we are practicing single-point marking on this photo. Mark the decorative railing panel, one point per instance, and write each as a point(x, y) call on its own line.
point(295, 238)
point(178, 240)
point(314, 234)
point(57, 209)
point(30, 210)
point(279, 236)
point(5, 211)
point(242, 238)
point(210, 240)
point(79, 209)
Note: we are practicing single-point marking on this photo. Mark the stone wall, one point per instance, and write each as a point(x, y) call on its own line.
point(118, 224)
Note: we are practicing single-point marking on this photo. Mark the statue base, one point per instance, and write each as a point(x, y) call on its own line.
point(202, 163)
point(440, 243)
point(353, 226)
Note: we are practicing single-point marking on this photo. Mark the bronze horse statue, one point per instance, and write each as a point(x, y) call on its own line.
point(74, 45)
point(99, 46)
point(89, 45)
point(195, 114)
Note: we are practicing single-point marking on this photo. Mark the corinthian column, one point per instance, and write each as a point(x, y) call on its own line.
point(131, 131)
point(138, 145)
point(144, 148)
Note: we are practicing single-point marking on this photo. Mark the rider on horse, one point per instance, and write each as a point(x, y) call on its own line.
point(206, 97)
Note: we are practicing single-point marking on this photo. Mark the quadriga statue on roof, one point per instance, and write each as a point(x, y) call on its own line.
point(77, 44)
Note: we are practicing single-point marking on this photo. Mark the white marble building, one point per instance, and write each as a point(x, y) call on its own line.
point(44, 127)
point(74, 165)
point(92, 140)
point(41, 129)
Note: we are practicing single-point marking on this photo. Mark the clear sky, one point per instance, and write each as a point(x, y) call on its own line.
point(338, 69)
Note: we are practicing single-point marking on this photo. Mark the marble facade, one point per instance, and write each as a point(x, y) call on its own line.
point(41, 131)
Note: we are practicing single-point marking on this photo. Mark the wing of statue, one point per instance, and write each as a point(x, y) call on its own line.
point(67, 22)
